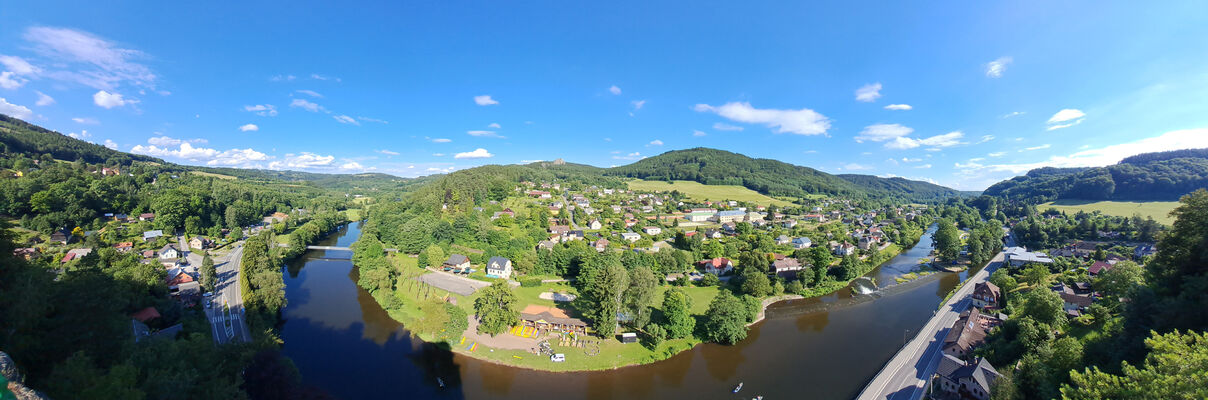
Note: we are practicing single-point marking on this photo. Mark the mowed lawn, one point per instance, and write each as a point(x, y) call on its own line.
point(1159, 210)
point(702, 192)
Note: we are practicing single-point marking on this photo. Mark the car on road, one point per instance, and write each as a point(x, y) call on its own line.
point(207, 294)
point(209, 304)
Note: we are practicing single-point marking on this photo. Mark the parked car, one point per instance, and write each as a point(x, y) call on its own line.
point(207, 294)
point(558, 357)
point(209, 304)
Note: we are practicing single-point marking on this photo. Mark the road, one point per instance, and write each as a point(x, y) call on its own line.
point(227, 324)
point(906, 374)
point(569, 212)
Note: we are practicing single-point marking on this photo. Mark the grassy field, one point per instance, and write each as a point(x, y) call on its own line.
point(701, 192)
point(212, 175)
point(354, 214)
point(1159, 210)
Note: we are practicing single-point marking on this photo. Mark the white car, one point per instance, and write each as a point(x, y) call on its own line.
point(558, 357)
point(207, 294)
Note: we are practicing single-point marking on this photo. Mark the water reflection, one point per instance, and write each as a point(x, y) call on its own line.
point(826, 348)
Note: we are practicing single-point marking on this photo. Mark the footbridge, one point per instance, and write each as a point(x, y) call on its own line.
point(341, 248)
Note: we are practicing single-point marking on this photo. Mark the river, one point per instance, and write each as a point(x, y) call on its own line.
point(820, 348)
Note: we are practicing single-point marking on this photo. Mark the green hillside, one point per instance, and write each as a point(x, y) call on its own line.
point(1146, 177)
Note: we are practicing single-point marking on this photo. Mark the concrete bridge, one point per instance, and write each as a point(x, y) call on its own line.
point(341, 248)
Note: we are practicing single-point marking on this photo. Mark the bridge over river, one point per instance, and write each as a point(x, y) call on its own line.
point(341, 248)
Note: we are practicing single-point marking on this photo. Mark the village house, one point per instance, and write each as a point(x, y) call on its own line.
point(725, 217)
point(25, 252)
point(1145, 250)
point(968, 333)
point(1075, 299)
point(652, 230)
point(729, 228)
point(109, 171)
point(1098, 268)
point(169, 252)
point(560, 230)
point(867, 242)
point(151, 235)
point(148, 253)
point(802, 243)
point(600, 245)
point(699, 216)
point(574, 235)
point(835, 215)
point(457, 262)
point(786, 267)
point(631, 237)
point(629, 223)
point(547, 319)
point(75, 254)
point(594, 225)
point(716, 266)
point(814, 218)
point(61, 236)
point(506, 211)
point(124, 247)
point(540, 194)
point(499, 267)
point(198, 242)
point(146, 217)
point(545, 245)
point(966, 380)
point(987, 295)
point(783, 240)
point(1018, 256)
point(844, 249)
point(713, 234)
point(788, 223)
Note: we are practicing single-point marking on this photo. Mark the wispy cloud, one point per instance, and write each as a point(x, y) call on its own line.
point(477, 153)
point(485, 100)
point(282, 78)
point(997, 154)
point(344, 119)
point(614, 90)
point(324, 78)
point(1040, 147)
point(883, 132)
point(249, 128)
point(242, 158)
point(310, 93)
point(387, 152)
point(367, 119)
point(306, 105)
point(935, 142)
point(1065, 118)
point(264, 110)
point(630, 156)
point(655, 142)
point(86, 121)
point(165, 141)
point(439, 140)
point(489, 134)
point(43, 99)
point(726, 127)
point(637, 105)
point(494, 125)
point(1013, 114)
point(801, 122)
point(995, 69)
point(81, 57)
point(14, 110)
point(698, 133)
point(869, 93)
point(899, 107)
point(855, 167)
point(110, 100)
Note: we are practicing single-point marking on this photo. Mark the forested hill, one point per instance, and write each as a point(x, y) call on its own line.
point(771, 177)
point(1150, 176)
point(18, 136)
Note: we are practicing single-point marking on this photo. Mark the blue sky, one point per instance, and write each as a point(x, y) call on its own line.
point(961, 93)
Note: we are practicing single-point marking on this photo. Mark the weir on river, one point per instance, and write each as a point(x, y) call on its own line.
point(342, 341)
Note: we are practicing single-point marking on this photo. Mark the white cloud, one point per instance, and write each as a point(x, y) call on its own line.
point(306, 105)
point(43, 99)
point(655, 142)
point(303, 160)
point(997, 154)
point(985, 138)
point(387, 152)
point(249, 128)
point(698, 133)
point(855, 167)
point(18, 65)
point(614, 89)
point(10, 81)
point(936, 142)
point(801, 122)
point(324, 78)
point(282, 78)
point(907, 159)
point(352, 165)
point(264, 110)
point(631, 156)
point(477, 153)
point(490, 134)
point(111, 144)
point(99, 63)
point(869, 93)
point(243, 158)
point(883, 132)
point(310, 93)
point(638, 104)
point(899, 107)
point(344, 119)
point(1013, 114)
point(164, 141)
point(494, 125)
point(726, 127)
point(441, 140)
point(1043, 146)
point(994, 69)
point(86, 121)
point(110, 100)
point(485, 100)
point(438, 154)
point(1066, 115)
point(924, 166)
point(82, 135)
point(13, 110)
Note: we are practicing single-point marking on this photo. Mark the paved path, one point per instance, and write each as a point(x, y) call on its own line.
point(228, 325)
point(907, 373)
point(570, 213)
point(452, 283)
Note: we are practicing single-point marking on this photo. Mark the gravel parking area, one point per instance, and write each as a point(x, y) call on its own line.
point(452, 283)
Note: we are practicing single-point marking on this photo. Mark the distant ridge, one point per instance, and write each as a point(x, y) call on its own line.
point(1149, 176)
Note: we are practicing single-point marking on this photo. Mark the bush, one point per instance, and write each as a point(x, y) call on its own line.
point(709, 280)
point(793, 287)
point(530, 281)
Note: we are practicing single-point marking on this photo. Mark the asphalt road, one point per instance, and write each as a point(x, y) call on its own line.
point(907, 373)
point(227, 324)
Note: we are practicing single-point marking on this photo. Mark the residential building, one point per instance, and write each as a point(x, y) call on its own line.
point(600, 245)
point(169, 252)
point(499, 267)
point(783, 239)
point(699, 216)
point(506, 211)
point(561, 230)
point(25, 252)
point(802, 243)
point(1018, 256)
point(652, 230)
point(545, 245)
point(124, 247)
point(574, 235)
point(146, 217)
point(966, 334)
point(1145, 250)
point(786, 267)
point(966, 380)
point(788, 223)
point(867, 242)
point(1075, 299)
point(814, 218)
point(730, 216)
point(631, 237)
point(987, 295)
point(844, 249)
point(594, 225)
point(151, 235)
point(62, 236)
point(75, 254)
point(716, 266)
point(457, 261)
point(198, 242)
point(1098, 268)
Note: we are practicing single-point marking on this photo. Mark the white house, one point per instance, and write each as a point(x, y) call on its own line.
point(594, 225)
point(168, 252)
point(630, 236)
point(802, 243)
point(652, 230)
point(783, 239)
point(499, 267)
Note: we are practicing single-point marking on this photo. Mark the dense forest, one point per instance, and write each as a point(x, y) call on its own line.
point(1152, 176)
point(772, 177)
point(17, 136)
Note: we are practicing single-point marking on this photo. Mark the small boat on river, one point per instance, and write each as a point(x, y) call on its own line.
point(737, 388)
